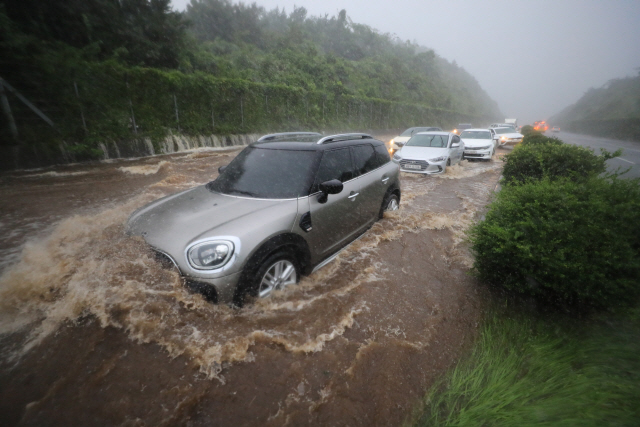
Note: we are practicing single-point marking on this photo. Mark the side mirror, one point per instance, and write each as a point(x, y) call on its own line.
point(333, 186)
point(455, 145)
point(222, 168)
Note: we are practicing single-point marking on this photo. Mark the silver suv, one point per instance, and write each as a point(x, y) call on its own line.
point(284, 207)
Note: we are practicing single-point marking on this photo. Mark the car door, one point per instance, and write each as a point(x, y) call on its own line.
point(456, 148)
point(337, 220)
point(372, 179)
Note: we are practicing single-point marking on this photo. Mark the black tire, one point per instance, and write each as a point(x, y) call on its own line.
point(390, 202)
point(255, 284)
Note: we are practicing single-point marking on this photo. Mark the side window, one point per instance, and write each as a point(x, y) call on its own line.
point(335, 164)
point(364, 158)
point(382, 154)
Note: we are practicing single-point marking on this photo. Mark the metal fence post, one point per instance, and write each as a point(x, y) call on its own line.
point(84, 123)
point(6, 108)
point(175, 103)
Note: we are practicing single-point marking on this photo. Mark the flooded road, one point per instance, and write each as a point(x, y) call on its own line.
point(94, 331)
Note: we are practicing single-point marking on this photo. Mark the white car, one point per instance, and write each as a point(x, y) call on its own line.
point(397, 142)
point(478, 143)
point(508, 135)
point(430, 152)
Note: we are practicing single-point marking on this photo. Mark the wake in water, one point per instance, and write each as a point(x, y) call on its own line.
point(89, 267)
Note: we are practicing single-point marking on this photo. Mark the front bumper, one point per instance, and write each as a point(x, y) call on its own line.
point(224, 286)
point(477, 154)
point(513, 141)
point(421, 166)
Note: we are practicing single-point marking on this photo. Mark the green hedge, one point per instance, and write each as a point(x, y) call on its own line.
point(111, 96)
point(570, 242)
point(539, 156)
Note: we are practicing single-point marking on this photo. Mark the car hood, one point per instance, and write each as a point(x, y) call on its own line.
point(511, 135)
point(422, 153)
point(172, 223)
point(401, 139)
point(472, 143)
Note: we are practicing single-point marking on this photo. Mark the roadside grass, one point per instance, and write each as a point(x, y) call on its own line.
point(529, 369)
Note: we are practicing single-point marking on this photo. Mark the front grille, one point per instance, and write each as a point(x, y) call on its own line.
point(473, 155)
point(423, 164)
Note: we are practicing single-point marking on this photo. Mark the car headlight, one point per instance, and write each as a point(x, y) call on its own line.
point(210, 255)
point(393, 141)
point(504, 138)
point(397, 157)
point(438, 159)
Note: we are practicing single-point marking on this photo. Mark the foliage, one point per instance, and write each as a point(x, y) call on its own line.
point(538, 157)
point(528, 371)
point(330, 54)
point(563, 241)
point(526, 130)
point(612, 110)
point(96, 66)
point(536, 137)
point(140, 32)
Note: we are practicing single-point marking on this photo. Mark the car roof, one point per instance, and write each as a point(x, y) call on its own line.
point(307, 142)
point(478, 129)
point(433, 132)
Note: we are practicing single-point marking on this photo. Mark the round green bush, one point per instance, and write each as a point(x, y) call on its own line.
point(533, 161)
point(538, 138)
point(527, 129)
point(569, 242)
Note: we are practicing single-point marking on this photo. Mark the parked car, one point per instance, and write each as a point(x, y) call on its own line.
point(555, 129)
point(396, 143)
point(507, 135)
point(478, 144)
point(461, 127)
point(282, 208)
point(430, 152)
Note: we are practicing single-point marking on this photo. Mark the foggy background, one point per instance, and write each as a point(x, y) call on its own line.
point(533, 58)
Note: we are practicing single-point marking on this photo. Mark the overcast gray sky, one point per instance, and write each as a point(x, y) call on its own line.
point(534, 57)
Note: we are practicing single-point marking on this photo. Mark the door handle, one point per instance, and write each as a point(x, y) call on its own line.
point(384, 180)
point(352, 195)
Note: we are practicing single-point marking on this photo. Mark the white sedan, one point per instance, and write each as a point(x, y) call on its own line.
point(430, 152)
point(508, 135)
point(478, 144)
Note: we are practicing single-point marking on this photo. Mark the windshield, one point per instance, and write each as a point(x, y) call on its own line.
point(267, 174)
point(411, 131)
point(427, 140)
point(475, 134)
point(503, 130)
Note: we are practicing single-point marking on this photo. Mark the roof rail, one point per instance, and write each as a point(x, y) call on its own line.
point(344, 137)
point(273, 136)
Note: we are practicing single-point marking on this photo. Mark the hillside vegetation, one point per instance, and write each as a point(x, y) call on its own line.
point(612, 110)
point(107, 69)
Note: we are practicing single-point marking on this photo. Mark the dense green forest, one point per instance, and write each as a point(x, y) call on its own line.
point(124, 69)
point(612, 110)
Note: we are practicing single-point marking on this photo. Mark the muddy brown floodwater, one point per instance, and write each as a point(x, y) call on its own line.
point(93, 331)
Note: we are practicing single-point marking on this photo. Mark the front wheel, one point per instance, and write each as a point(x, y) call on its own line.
point(276, 272)
point(390, 203)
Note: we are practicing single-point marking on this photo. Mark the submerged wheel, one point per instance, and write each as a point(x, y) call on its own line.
point(277, 271)
point(277, 275)
point(390, 203)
